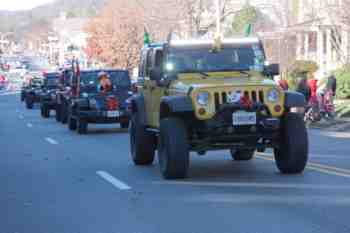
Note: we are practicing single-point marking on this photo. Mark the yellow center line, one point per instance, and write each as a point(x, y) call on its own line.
point(314, 166)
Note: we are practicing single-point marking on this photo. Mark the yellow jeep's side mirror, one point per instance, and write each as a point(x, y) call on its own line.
point(272, 70)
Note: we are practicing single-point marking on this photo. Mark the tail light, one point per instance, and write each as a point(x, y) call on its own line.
point(112, 103)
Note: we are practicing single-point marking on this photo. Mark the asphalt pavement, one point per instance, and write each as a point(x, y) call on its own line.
point(56, 181)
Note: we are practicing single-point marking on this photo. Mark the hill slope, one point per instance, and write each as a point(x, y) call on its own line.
point(21, 22)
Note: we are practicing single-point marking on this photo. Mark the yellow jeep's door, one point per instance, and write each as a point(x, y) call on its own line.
point(146, 64)
point(156, 91)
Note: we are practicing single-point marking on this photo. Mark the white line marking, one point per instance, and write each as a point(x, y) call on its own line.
point(254, 185)
point(114, 181)
point(51, 141)
point(9, 93)
point(330, 170)
point(29, 125)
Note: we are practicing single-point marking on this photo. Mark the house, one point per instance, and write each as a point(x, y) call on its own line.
point(321, 34)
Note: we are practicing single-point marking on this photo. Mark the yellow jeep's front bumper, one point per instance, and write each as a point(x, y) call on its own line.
point(219, 96)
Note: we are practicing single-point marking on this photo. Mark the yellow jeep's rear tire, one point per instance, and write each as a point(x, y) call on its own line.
point(142, 143)
point(242, 155)
point(173, 148)
point(292, 155)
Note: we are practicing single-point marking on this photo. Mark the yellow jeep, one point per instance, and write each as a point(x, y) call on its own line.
point(195, 96)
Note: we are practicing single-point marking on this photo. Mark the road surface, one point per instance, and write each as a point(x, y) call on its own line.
point(55, 181)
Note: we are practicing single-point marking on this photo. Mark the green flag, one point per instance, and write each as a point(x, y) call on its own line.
point(248, 29)
point(146, 38)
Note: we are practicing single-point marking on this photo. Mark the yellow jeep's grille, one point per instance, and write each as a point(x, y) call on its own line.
point(222, 97)
point(219, 97)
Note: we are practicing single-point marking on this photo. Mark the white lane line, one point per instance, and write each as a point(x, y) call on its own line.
point(9, 93)
point(51, 141)
point(114, 181)
point(330, 170)
point(29, 125)
point(254, 185)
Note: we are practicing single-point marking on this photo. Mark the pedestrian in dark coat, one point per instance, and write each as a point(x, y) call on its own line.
point(303, 88)
point(332, 84)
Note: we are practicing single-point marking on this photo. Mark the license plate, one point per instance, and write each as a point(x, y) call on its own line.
point(244, 118)
point(112, 113)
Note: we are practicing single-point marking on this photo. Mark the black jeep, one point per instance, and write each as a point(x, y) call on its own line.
point(48, 95)
point(90, 105)
point(63, 94)
point(31, 93)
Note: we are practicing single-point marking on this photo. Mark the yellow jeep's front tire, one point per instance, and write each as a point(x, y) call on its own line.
point(142, 143)
point(173, 148)
point(292, 154)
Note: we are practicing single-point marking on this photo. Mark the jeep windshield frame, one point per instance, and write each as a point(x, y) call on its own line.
point(89, 81)
point(203, 59)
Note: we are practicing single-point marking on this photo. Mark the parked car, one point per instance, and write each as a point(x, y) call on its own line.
point(48, 95)
point(3, 81)
point(89, 104)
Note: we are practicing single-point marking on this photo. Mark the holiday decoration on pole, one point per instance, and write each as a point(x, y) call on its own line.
point(146, 37)
point(248, 29)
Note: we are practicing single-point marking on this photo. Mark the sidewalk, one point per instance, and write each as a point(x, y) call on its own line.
point(337, 124)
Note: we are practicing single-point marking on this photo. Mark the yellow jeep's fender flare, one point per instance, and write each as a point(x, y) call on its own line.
point(138, 106)
point(294, 99)
point(175, 104)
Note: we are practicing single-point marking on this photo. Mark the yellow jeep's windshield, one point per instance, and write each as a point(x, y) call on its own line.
point(193, 60)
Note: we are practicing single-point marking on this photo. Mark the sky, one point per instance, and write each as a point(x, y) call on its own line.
point(14, 5)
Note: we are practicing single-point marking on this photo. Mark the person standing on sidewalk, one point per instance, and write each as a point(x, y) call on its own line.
point(303, 88)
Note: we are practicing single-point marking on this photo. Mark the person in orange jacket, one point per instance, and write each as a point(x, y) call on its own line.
point(105, 82)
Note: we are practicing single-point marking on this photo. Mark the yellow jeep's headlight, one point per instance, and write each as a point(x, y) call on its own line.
point(203, 98)
point(273, 95)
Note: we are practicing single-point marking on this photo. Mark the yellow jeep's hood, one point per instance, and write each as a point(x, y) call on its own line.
point(217, 80)
point(222, 84)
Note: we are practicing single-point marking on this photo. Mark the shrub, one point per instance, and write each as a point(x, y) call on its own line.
point(303, 69)
point(343, 83)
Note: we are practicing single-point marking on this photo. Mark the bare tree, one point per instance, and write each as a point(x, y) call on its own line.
point(116, 35)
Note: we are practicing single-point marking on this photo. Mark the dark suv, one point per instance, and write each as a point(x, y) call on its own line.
point(31, 93)
point(90, 105)
point(48, 95)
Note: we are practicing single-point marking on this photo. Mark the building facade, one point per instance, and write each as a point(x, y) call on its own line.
point(322, 34)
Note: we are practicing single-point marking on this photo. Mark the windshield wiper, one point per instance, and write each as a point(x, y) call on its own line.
point(244, 72)
point(204, 75)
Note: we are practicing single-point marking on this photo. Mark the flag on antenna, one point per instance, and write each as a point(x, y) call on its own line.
point(248, 30)
point(146, 37)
